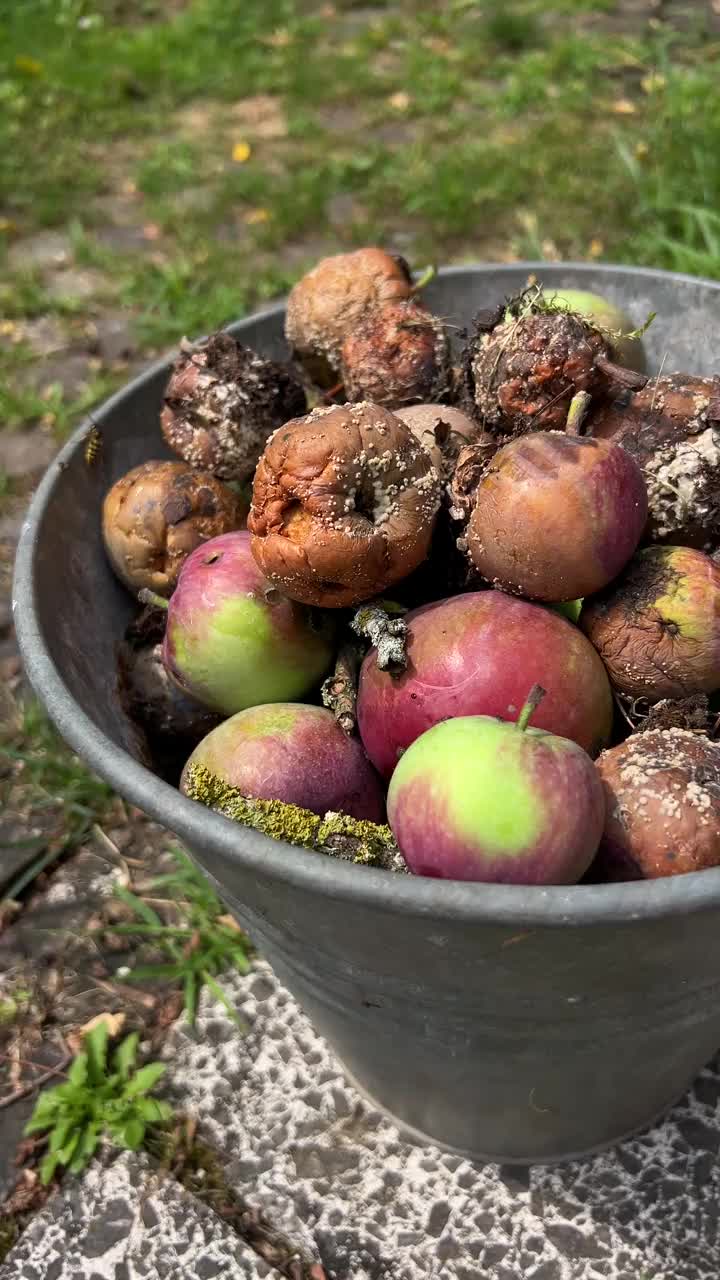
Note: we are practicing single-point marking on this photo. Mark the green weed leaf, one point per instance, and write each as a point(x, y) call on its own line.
point(144, 1079)
point(96, 1042)
point(153, 1110)
point(77, 1075)
point(132, 1133)
point(47, 1168)
point(125, 1055)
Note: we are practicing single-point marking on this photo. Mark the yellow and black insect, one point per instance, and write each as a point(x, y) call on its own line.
point(93, 445)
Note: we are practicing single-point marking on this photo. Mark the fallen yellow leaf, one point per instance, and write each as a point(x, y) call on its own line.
point(7, 328)
point(641, 150)
point(624, 107)
point(596, 247)
point(399, 101)
point(279, 39)
point(253, 217)
point(241, 152)
point(230, 923)
point(6, 225)
point(115, 1023)
point(653, 82)
point(30, 66)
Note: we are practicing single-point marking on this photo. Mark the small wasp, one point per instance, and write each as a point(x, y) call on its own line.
point(93, 445)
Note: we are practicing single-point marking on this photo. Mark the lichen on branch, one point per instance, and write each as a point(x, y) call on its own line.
point(337, 834)
point(386, 632)
point(339, 691)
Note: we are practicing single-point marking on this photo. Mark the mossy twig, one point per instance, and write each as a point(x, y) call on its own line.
point(388, 635)
point(337, 834)
point(339, 691)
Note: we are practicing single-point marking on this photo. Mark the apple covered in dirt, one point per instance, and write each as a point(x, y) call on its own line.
point(557, 516)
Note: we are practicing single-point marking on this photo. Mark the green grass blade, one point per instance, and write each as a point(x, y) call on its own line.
point(220, 995)
point(140, 908)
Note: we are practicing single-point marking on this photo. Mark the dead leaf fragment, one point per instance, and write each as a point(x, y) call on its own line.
point(115, 1023)
point(230, 923)
point(624, 107)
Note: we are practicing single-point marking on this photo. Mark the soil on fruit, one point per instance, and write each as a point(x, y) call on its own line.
point(522, 375)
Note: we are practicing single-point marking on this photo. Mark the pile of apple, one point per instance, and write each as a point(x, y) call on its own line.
point(527, 537)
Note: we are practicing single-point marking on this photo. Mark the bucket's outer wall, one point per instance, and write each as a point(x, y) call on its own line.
point(518, 1045)
point(499, 1039)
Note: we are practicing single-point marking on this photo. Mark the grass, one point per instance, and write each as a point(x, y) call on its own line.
point(471, 130)
point(223, 130)
point(177, 916)
point(44, 778)
point(196, 937)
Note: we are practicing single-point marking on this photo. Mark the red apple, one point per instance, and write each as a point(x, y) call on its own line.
point(557, 516)
point(295, 753)
point(480, 799)
point(232, 639)
point(478, 654)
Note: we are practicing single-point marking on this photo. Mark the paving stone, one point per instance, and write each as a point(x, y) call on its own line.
point(45, 335)
point(340, 118)
point(23, 453)
point(71, 372)
point(260, 116)
point(121, 209)
point(111, 337)
point(124, 1221)
point(44, 251)
point(77, 284)
point(193, 199)
point(343, 210)
point(129, 238)
point(298, 1140)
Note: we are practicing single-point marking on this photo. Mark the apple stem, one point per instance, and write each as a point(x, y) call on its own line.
point(577, 413)
point(534, 698)
point(627, 379)
point(427, 275)
point(146, 596)
point(332, 392)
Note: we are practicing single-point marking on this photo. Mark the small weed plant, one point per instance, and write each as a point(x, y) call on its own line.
point(104, 1097)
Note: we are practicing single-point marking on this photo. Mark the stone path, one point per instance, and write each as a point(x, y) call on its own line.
point(338, 1180)
point(123, 1221)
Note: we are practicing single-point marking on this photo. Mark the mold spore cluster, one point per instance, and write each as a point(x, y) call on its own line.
point(476, 595)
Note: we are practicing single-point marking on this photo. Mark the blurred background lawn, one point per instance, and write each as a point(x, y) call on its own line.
point(166, 165)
